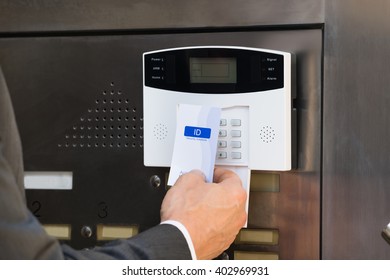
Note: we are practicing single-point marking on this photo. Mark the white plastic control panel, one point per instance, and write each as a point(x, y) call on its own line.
point(252, 87)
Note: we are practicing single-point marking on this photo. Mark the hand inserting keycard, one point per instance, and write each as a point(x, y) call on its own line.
point(198, 136)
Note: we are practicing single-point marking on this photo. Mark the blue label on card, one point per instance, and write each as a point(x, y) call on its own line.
point(197, 132)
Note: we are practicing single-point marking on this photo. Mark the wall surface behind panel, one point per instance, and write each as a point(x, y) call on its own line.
point(49, 15)
point(356, 149)
point(300, 188)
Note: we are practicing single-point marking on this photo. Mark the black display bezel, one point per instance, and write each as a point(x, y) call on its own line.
point(252, 73)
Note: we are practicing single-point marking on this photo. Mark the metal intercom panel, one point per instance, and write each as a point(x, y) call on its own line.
point(78, 100)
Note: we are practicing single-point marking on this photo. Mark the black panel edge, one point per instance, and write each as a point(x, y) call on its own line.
point(106, 32)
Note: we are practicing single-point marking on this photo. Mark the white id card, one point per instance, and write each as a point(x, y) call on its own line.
point(196, 138)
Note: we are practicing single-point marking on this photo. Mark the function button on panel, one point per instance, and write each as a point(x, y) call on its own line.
point(236, 155)
point(222, 155)
point(222, 144)
point(223, 122)
point(235, 144)
point(235, 122)
point(222, 133)
point(236, 133)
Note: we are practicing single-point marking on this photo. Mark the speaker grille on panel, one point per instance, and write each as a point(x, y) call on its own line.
point(160, 131)
point(267, 134)
point(112, 121)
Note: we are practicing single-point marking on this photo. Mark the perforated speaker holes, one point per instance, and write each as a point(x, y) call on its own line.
point(160, 131)
point(267, 134)
point(112, 121)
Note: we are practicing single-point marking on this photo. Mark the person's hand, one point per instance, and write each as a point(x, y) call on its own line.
point(213, 213)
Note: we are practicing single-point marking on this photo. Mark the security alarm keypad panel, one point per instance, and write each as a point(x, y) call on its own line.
point(251, 86)
point(232, 146)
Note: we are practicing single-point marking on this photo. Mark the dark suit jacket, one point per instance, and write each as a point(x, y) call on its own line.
point(23, 237)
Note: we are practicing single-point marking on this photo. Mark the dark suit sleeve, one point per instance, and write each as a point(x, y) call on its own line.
point(23, 237)
point(163, 242)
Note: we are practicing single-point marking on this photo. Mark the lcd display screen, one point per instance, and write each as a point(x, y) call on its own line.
point(216, 70)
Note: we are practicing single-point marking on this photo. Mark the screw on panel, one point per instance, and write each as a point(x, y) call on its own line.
point(86, 231)
point(155, 181)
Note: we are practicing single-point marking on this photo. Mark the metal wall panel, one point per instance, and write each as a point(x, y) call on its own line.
point(355, 125)
point(83, 61)
point(49, 15)
point(356, 161)
point(64, 86)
